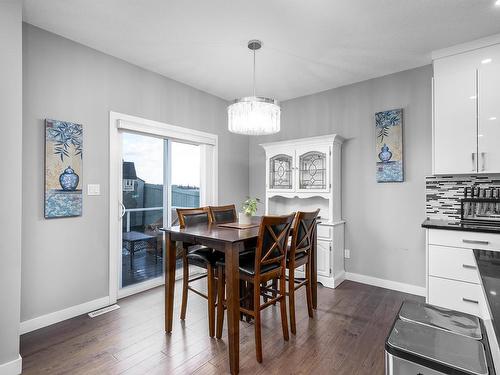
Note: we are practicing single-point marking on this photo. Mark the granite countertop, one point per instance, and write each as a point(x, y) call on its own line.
point(456, 225)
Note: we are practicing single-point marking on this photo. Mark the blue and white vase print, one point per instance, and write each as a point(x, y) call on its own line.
point(69, 179)
point(385, 155)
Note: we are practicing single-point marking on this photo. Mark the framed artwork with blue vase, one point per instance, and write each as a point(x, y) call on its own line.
point(63, 169)
point(389, 145)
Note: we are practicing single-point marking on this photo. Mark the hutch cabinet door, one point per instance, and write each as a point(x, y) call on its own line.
point(280, 166)
point(313, 168)
point(489, 118)
point(323, 251)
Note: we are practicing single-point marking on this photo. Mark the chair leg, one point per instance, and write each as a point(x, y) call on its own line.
point(185, 283)
point(256, 310)
point(309, 290)
point(275, 287)
point(211, 300)
point(284, 321)
point(291, 299)
point(220, 300)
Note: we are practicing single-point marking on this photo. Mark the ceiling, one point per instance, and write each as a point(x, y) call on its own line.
point(308, 45)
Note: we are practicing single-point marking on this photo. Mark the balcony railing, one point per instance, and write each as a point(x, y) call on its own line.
point(145, 209)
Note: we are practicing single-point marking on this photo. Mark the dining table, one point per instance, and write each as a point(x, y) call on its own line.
point(230, 241)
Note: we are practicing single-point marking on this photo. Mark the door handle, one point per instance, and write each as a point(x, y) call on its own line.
point(468, 266)
point(474, 167)
point(470, 300)
point(478, 242)
point(122, 209)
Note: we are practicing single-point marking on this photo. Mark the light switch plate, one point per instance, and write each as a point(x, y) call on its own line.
point(93, 189)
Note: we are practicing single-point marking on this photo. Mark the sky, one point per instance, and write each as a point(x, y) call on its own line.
point(147, 154)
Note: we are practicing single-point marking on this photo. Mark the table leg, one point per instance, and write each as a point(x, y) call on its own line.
point(233, 304)
point(169, 266)
point(314, 270)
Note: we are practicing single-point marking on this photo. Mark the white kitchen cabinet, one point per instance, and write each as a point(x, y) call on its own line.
point(304, 175)
point(489, 118)
point(453, 279)
point(466, 108)
point(455, 131)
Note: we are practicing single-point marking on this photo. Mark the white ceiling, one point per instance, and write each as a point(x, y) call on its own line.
point(309, 45)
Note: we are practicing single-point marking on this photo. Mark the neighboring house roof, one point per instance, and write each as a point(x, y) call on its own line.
point(129, 170)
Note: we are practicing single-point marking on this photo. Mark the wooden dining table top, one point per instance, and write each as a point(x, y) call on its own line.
point(216, 232)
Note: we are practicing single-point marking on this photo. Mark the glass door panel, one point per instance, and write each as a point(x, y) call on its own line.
point(185, 177)
point(280, 172)
point(313, 169)
point(144, 206)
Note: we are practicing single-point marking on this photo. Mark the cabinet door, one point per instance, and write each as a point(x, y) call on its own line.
point(455, 122)
point(323, 252)
point(280, 171)
point(313, 169)
point(489, 118)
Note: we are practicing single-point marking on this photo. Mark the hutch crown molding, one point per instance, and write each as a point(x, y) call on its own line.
point(305, 174)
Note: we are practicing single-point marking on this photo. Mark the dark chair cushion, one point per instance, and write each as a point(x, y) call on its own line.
point(203, 257)
point(298, 256)
point(191, 219)
point(246, 252)
point(224, 216)
point(247, 265)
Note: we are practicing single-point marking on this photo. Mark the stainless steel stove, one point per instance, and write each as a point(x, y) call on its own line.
point(428, 340)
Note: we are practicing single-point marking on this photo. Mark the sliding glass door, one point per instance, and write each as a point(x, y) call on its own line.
point(144, 207)
point(158, 176)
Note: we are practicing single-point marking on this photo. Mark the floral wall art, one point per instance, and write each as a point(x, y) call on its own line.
point(389, 145)
point(63, 169)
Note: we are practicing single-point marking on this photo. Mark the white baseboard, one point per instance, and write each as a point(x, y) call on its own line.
point(388, 284)
point(14, 367)
point(59, 316)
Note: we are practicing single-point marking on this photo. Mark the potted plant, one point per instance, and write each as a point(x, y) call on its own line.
point(249, 209)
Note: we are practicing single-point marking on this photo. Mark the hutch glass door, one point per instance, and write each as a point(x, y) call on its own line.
point(280, 172)
point(313, 169)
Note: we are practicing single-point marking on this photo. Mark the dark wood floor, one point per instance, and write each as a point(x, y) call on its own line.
point(346, 336)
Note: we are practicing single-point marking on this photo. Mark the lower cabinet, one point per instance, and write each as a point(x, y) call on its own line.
point(457, 295)
point(453, 280)
point(329, 255)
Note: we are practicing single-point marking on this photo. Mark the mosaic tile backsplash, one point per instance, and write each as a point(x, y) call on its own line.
point(443, 193)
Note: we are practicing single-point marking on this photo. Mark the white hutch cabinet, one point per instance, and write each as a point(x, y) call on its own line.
point(305, 174)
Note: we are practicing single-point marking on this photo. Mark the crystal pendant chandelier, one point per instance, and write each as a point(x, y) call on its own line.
point(254, 115)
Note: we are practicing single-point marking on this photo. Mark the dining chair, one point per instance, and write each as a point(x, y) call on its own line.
point(268, 262)
point(299, 255)
point(223, 214)
point(200, 256)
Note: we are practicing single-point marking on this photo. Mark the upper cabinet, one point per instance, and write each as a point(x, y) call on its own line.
point(466, 104)
point(301, 165)
point(489, 117)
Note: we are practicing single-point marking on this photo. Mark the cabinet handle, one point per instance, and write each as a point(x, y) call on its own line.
point(479, 242)
point(483, 162)
point(468, 266)
point(474, 168)
point(470, 300)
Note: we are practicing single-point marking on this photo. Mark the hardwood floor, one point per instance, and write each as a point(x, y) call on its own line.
point(346, 336)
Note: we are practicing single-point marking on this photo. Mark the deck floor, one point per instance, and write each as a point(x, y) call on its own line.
point(346, 336)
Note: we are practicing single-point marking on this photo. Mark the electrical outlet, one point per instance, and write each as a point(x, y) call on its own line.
point(347, 253)
point(93, 189)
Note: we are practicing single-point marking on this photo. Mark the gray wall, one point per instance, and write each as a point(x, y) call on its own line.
point(65, 261)
point(383, 220)
point(10, 167)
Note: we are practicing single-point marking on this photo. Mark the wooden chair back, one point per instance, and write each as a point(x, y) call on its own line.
point(272, 241)
point(193, 216)
point(223, 214)
point(303, 230)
